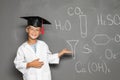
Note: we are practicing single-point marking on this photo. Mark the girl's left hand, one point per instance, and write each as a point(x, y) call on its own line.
point(64, 51)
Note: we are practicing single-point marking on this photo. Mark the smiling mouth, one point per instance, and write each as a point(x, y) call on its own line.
point(33, 35)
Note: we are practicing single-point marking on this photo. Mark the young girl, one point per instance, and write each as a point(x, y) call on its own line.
point(33, 56)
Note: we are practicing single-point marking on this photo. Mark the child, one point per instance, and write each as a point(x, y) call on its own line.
point(33, 56)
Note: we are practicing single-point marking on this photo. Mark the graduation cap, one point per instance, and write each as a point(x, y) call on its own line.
point(36, 21)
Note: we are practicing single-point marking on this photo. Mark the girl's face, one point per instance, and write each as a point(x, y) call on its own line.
point(33, 32)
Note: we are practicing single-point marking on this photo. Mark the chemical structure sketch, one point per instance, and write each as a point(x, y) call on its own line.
point(92, 67)
point(109, 54)
point(73, 44)
point(101, 39)
point(79, 67)
point(98, 67)
point(117, 38)
point(83, 25)
point(87, 47)
point(65, 27)
point(108, 19)
point(74, 11)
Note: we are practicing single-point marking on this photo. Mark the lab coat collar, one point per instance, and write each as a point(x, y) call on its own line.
point(30, 48)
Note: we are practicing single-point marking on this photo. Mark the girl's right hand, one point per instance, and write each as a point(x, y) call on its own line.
point(35, 63)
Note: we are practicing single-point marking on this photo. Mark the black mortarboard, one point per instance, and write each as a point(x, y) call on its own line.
point(36, 21)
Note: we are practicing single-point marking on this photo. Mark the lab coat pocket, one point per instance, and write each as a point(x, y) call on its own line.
point(30, 74)
point(46, 75)
point(30, 77)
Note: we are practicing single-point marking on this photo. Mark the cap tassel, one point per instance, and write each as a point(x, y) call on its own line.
point(42, 29)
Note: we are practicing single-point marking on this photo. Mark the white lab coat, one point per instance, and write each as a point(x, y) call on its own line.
point(26, 54)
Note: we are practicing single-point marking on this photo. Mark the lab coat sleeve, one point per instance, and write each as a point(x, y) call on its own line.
point(52, 58)
point(19, 61)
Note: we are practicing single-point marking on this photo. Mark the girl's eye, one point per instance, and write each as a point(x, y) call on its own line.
point(31, 28)
point(37, 30)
